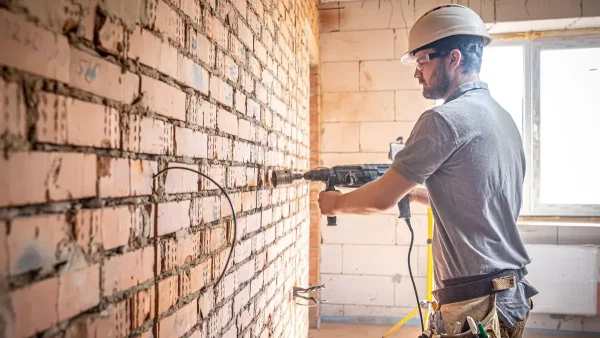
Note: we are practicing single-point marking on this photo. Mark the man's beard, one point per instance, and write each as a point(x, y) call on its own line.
point(438, 85)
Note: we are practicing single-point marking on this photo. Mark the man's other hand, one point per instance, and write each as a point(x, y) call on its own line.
point(328, 202)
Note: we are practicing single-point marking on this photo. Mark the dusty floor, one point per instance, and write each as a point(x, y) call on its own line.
point(337, 330)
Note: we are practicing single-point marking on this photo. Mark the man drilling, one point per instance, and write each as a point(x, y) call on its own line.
point(469, 154)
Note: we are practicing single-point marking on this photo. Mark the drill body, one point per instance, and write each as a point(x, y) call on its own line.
point(344, 176)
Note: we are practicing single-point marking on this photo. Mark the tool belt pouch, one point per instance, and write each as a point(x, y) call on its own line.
point(490, 320)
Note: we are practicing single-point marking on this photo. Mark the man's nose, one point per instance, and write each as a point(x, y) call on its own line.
point(417, 73)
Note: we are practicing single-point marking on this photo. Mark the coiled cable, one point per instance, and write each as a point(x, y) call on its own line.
point(234, 240)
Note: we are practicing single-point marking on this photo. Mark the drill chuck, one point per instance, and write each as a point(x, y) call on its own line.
point(284, 177)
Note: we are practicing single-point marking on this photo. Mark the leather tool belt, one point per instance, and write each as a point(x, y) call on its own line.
point(467, 288)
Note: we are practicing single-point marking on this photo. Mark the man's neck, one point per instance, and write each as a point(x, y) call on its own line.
point(460, 80)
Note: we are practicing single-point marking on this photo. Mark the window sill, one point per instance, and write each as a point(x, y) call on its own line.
point(558, 223)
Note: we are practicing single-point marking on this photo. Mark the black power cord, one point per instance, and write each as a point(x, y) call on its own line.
point(412, 238)
point(232, 212)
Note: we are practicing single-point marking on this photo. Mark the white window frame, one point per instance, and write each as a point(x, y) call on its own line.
point(531, 122)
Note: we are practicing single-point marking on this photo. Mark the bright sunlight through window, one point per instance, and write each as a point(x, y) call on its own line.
point(569, 126)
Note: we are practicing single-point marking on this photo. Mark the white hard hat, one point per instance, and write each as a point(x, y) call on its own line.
point(441, 22)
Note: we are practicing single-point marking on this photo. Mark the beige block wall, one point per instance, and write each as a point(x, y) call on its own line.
point(369, 99)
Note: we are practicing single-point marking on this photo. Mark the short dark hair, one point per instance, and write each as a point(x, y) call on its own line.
point(470, 46)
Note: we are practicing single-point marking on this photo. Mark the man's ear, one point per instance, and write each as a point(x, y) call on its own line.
point(454, 59)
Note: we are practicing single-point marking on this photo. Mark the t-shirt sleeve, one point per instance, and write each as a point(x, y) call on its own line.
point(429, 145)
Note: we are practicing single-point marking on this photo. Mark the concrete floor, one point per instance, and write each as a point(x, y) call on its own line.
point(339, 330)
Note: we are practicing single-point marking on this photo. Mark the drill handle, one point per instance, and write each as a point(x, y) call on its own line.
point(331, 220)
point(404, 207)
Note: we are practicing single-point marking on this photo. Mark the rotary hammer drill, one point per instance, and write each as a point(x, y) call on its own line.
point(345, 176)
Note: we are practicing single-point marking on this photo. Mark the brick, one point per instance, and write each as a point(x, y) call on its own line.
point(190, 8)
point(262, 94)
point(200, 47)
point(111, 37)
point(339, 77)
point(192, 74)
point(375, 136)
point(34, 241)
point(254, 66)
point(216, 173)
point(219, 33)
point(141, 176)
point(243, 251)
point(169, 23)
point(203, 113)
point(249, 200)
point(220, 148)
point(211, 209)
point(241, 299)
point(278, 107)
point(65, 120)
point(341, 46)
point(195, 278)
point(180, 322)
point(142, 307)
point(240, 102)
point(377, 75)
point(238, 51)
point(129, 11)
point(128, 270)
point(78, 291)
point(35, 307)
point(340, 137)
point(172, 217)
point(254, 23)
point(47, 53)
point(260, 51)
point(240, 5)
point(245, 35)
point(358, 107)
point(410, 104)
point(167, 293)
point(113, 177)
point(156, 136)
point(241, 152)
point(151, 51)
point(227, 122)
point(176, 252)
point(245, 272)
point(13, 119)
point(163, 99)
point(245, 130)
point(247, 81)
point(47, 177)
point(221, 91)
point(4, 253)
point(102, 78)
point(236, 177)
point(231, 69)
point(190, 143)
point(43, 304)
point(116, 322)
point(181, 180)
point(267, 80)
point(253, 109)
point(374, 16)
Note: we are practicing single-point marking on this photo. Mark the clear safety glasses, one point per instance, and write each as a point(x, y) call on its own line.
point(423, 59)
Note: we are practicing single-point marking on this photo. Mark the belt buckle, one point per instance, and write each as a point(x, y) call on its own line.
point(504, 283)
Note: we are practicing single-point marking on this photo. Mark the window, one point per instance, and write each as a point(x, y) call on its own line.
point(552, 90)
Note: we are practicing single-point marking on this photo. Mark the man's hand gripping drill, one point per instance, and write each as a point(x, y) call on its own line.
point(345, 176)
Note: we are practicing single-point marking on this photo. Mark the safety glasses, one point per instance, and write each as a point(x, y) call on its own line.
point(423, 59)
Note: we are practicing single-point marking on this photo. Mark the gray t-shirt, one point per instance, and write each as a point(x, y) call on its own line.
point(469, 154)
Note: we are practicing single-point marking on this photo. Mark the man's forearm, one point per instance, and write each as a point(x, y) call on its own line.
point(420, 195)
point(362, 201)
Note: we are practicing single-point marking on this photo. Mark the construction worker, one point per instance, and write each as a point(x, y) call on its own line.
point(469, 155)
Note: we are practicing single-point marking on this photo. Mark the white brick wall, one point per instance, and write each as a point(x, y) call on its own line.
point(368, 99)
